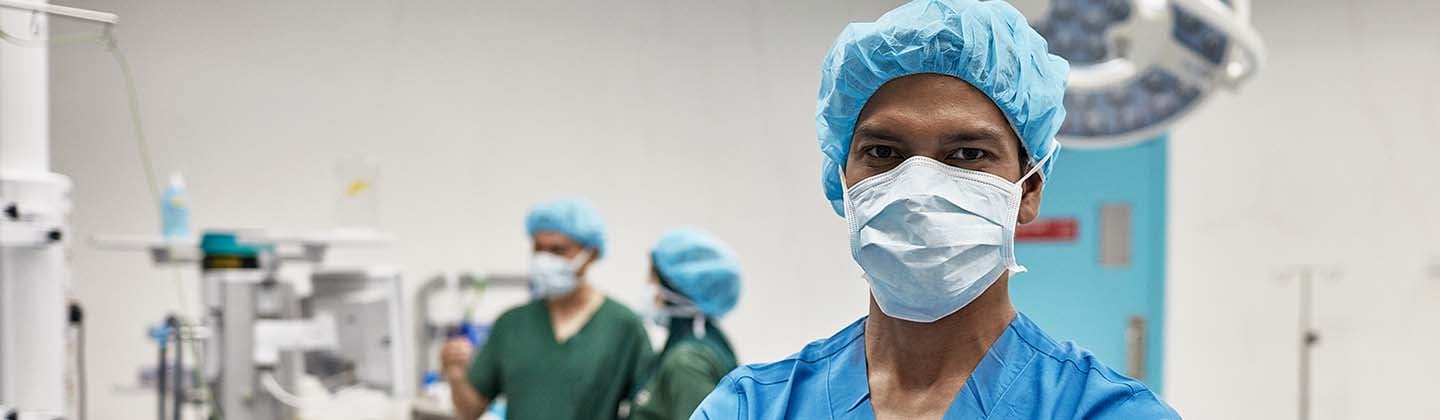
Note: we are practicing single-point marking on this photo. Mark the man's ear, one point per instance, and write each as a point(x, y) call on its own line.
point(1030, 194)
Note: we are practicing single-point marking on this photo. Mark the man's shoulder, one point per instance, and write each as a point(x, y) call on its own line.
point(769, 386)
point(689, 353)
point(1140, 405)
point(614, 309)
point(615, 316)
point(528, 310)
point(1067, 357)
point(1098, 390)
point(816, 352)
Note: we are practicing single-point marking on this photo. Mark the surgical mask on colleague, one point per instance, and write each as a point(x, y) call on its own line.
point(932, 237)
point(674, 306)
point(553, 275)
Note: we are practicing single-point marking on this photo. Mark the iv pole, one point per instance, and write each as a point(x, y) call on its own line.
point(1306, 278)
point(1309, 338)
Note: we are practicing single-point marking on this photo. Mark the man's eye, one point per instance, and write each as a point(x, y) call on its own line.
point(969, 154)
point(880, 152)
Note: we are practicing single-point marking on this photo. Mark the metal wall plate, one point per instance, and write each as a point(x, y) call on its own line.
point(1115, 230)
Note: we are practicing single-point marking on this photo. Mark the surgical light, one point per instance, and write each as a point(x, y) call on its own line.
point(1138, 66)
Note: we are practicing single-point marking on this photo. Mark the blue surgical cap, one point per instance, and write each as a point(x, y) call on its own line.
point(700, 267)
point(987, 44)
point(572, 217)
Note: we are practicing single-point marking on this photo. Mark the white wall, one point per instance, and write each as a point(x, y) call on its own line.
point(1327, 159)
point(700, 112)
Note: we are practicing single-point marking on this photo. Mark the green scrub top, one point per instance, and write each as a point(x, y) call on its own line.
point(585, 377)
point(688, 370)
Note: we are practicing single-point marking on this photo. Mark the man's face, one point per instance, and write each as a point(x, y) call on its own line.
point(942, 118)
point(561, 244)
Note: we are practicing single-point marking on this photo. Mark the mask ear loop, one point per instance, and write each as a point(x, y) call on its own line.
point(581, 258)
point(1015, 267)
point(579, 261)
point(683, 306)
point(1039, 165)
point(846, 203)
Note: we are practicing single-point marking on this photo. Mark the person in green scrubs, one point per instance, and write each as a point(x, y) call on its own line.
point(697, 282)
point(572, 352)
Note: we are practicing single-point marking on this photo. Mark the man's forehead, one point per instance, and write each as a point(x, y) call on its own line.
point(934, 100)
point(932, 90)
point(549, 237)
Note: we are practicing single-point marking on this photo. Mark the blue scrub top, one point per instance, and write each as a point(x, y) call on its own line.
point(1026, 375)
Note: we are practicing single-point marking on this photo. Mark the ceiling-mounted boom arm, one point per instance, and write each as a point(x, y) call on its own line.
point(66, 11)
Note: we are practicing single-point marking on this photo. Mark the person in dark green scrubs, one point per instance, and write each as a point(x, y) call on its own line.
point(571, 353)
point(697, 281)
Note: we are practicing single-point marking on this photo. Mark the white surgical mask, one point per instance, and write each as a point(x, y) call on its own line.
point(553, 275)
point(932, 237)
point(676, 306)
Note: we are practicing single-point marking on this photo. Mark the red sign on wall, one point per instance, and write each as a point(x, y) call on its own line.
point(1048, 230)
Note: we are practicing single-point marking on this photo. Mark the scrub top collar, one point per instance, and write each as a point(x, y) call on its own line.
point(849, 384)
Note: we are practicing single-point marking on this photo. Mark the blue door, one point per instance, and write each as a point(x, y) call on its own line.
point(1105, 287)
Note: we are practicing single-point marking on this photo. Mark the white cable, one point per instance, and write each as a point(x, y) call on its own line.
point(272, 386)
point(135, 121)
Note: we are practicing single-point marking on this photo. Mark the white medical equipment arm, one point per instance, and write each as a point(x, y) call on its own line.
point(40, 6)
point(258, 328)
point(33, 235)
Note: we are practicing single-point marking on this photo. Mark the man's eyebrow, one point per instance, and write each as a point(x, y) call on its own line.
point(969, 135)
point(976, 134)
point(877, 133)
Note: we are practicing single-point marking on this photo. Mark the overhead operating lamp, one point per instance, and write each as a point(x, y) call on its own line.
point(1140, 66)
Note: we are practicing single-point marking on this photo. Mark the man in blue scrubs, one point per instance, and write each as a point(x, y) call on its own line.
point(937, 122)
